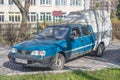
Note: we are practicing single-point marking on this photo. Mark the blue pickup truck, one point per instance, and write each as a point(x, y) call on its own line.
point(55, 45)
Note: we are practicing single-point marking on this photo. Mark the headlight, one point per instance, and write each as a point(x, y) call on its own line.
point(13, 50)
point(38, 53)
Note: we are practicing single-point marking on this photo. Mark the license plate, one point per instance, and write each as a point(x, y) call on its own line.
point(21, 61)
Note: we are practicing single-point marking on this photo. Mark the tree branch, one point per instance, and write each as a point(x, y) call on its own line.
point(19, 5)
point(27, 5)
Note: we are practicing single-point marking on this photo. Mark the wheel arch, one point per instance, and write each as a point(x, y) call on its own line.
point(102, 44)
point(63, 53)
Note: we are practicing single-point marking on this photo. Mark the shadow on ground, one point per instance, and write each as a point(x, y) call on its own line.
point(18, 67)
point(110, 57)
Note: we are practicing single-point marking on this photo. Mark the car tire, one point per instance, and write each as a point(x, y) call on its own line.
point(58, 62)
point(100, 50)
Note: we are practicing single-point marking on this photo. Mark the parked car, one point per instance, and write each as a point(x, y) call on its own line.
point(57, 44)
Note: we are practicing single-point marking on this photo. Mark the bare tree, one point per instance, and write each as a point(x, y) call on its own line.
point(24, 12)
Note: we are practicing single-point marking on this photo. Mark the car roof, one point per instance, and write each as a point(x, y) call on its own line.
point(66, 25)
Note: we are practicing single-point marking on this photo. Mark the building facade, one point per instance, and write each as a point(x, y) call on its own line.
point(39, 10)
point(42, 10)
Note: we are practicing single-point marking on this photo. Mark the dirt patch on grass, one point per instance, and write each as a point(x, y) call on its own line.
point(116, 31)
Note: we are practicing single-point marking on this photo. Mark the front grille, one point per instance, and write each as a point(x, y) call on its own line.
point(24, 52)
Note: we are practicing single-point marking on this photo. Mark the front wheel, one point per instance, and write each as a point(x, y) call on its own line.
point(58, 62)
point(100, 50)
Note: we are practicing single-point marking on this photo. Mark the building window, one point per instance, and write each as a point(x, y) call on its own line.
point(60, 2)
point(42, 16)
point(1, 17)
point(14, 17)
point(1, 2)
point(31, 16)
point(59, 18)
point(75, 2)
point(10, 2)
point(33, 2)
point(48, 2)
point(57, 2)
point(45, 2)
point(45, 16)
point(48, 16)
point(63, 15)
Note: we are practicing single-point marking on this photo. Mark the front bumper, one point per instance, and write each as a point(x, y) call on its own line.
point(33, 61)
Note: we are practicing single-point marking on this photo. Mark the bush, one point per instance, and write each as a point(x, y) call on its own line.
point(116, 31)
point(9, 33)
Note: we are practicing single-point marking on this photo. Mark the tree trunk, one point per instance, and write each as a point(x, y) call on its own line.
point(22, 30)
point(24, 12)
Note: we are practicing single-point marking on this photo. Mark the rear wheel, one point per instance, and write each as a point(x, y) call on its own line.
point(58, 62)
point(100, 50)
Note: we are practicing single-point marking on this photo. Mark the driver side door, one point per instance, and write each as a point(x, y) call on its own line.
point(76, 42)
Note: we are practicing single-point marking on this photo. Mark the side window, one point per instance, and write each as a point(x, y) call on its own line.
point(86, 31)
point(76, 31)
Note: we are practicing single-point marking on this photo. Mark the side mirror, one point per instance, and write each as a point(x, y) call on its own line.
point(72, 35)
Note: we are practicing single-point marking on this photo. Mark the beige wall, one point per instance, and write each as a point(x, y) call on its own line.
point(37, 8)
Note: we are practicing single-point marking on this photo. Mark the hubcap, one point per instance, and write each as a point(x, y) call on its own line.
point(100, 50)
point(58, 62)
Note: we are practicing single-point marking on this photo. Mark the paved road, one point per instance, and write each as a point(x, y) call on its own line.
point(110, 59)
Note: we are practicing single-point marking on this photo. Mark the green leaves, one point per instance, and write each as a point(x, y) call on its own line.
point(118, 11)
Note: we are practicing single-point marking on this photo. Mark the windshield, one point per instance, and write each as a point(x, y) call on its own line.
point(54, 32)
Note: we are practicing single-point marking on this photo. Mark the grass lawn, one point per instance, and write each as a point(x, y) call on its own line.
point(105, 74)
